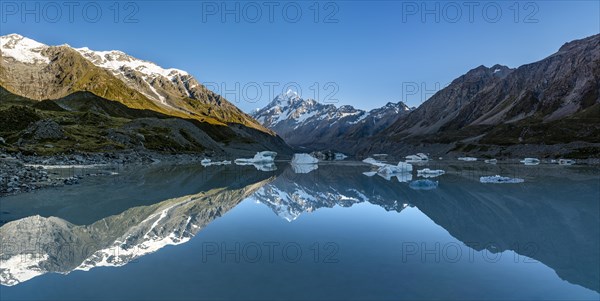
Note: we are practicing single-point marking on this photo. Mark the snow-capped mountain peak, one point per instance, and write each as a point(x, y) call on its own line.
point(116, 61)
point(300, 121)
point(23, 49)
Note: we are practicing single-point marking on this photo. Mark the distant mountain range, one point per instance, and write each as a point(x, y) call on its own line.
point(492, 111)
point(308, 123)
point(110, 83)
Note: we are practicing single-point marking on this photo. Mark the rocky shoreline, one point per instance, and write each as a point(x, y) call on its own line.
point(21, 173)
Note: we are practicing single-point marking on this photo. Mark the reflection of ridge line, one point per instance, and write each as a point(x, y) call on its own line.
point(122, 238)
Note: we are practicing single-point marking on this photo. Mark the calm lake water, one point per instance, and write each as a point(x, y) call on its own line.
point(332, 232)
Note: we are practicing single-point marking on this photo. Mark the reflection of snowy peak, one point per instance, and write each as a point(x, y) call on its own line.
point(292, 194)
point(306, 122)
point(112, 241)
point(291, 201)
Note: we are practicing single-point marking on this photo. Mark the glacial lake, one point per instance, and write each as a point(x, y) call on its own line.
point(235, 232)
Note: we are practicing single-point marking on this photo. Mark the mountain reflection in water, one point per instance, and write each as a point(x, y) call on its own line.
point(552, 218)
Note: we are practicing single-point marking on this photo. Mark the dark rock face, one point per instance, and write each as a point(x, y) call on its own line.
point(555, 100)
point(45, 130)
point(309, 124)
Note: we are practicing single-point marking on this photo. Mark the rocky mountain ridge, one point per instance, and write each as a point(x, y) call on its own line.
point(308, 123)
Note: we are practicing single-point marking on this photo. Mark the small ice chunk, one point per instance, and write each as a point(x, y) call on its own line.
point(369, 173)
point(491, 161)
point(260, 157)
point(430, 173)
point(530, 161)
point(468, 159)
point(208, 162)
point(566, 162)
point(417, 157)
point(373, 162)
point(388, 169)
point(500, 180)
point(340, 156)
point(304, 159)
point(423, 185)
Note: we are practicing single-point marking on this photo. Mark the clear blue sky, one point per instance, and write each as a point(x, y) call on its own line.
point(376, 52)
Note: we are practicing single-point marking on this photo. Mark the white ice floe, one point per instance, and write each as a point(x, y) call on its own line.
point(566, 162)
point(500, 180)
point(417, 158)
point(423, 185)
point(369, 173)
point(304, 159)
point(260, 157)
point(430, 173)
point(491, 161)
point(530, 161)
point(208, 162)
point(468, 159)
point(304, 168)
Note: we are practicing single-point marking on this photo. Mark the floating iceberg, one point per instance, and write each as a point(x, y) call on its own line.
point(530, 161)
point(304, 163)
point(401, 177)
point(373, 162)
point(417, 158)
point(468, 159)
point(304, 159)
point(404, 177)
point(208, 162)
point(423, 185)
point(260, 157)
point(430, 173)
point(263, 166)
point(566, 162)
point(500, 180)
point(304, 168)
point(491, 161)
point(388, 169)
